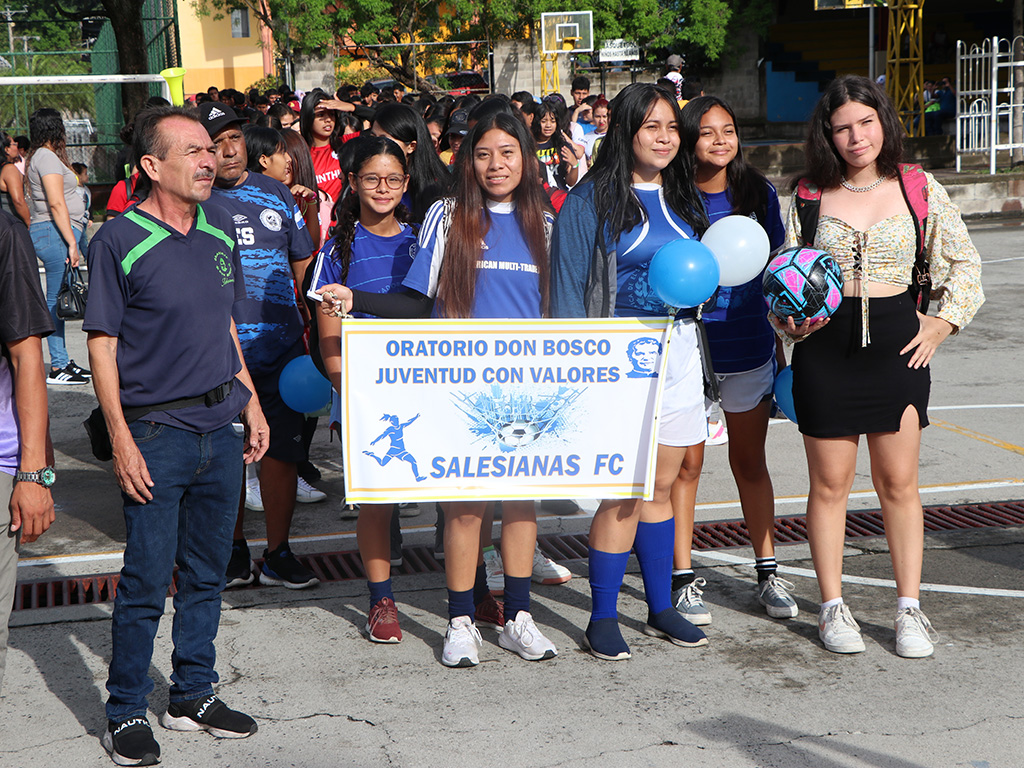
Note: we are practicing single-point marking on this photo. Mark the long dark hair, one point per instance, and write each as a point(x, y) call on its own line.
point(46, 129)
point(260, 141)
point(307, 113)
point(824, 166)
point(471, 219)
point(561, 115)
point(428, 177)
point(747, 185)
point(612, 172)
point(5, 139)
point(346, 211)
point(302, 160)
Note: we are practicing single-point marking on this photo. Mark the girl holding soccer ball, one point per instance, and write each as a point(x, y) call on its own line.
point(866, 371)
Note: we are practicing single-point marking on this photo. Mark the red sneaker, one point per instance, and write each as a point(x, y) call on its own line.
point(382, 623)
point(490, 613)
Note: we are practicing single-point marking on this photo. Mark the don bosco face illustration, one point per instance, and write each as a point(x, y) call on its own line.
point(643, 356)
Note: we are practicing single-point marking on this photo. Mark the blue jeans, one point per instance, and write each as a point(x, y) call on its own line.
point(53, 252)
point(189, 523)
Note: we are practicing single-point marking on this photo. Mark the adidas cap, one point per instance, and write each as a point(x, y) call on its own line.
point(216, 116)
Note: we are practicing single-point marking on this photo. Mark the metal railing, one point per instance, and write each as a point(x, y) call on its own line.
point(990, 95)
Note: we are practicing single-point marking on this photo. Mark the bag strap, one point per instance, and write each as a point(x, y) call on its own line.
point(808, 205)
point(914, 186)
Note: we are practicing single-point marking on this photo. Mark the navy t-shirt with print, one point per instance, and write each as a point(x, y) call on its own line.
point(635, 249)
point(507, 282)
point(739, 335)
point(377, 264)
point(271, 234)
point(168, 297)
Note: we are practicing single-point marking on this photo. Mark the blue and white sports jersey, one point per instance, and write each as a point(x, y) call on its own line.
point(507, 283)
point(271, 234)
point(377, 265)
point(636, 248)
point(739, 335)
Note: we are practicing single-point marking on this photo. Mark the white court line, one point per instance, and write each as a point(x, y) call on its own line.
point(864, 580)
point(997, 261)
point(973, 407)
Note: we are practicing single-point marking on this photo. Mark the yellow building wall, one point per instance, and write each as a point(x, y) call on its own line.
point(212, 56)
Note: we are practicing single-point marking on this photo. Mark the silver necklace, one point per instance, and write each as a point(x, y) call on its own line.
point(868, 188)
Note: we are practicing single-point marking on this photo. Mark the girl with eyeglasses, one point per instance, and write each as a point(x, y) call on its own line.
point(370, 251)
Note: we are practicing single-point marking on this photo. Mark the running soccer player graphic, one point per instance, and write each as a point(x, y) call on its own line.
point(395, 433)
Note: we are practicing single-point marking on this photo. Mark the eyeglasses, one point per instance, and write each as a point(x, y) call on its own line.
point(372, 181)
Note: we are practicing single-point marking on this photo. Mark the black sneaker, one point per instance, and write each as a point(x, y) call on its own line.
point(76, 368)
point(241, 568)
point(281, 567)
point(208, 714)
point(65, 377)
point(131, 742)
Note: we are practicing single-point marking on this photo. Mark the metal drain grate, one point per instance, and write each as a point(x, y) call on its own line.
point(345, 566)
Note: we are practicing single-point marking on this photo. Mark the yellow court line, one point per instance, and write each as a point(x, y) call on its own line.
point(956, 428)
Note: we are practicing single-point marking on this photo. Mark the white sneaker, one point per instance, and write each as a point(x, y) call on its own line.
point(689, 601)
point(545, 571)
point(495, 572)
point(522, 636)
point(839, 631)
point(307, 494)
point(462, 643)
point(914, 634)
point(253, 498)
point(717, 433)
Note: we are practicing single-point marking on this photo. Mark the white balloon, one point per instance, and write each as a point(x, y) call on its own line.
point(741, 246)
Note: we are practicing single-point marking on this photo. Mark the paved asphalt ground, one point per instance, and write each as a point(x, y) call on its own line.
point(762, 693)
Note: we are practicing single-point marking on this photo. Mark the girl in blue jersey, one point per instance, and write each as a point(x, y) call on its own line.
point(370, 251)
point(499, 208)
point(743, 351)
point(638, 196)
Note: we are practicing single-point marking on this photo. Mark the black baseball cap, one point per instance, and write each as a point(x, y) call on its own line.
point(459, 123)
point(216, 116)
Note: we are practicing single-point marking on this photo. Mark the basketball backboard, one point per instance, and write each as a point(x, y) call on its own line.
point(567, 32)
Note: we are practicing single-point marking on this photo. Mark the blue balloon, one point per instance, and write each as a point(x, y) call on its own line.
point(783, 391)
point(684, 273)
point(303, 388)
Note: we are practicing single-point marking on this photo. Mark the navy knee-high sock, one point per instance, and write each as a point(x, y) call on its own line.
point(654, 546)
point(606, 572)
point(480, 590)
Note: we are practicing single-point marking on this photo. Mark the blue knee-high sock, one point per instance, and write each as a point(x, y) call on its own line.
point(379, 590)
point(517, 596)
point(606, 572)
point(654, 545)
point(480, 590)
point(460, 604)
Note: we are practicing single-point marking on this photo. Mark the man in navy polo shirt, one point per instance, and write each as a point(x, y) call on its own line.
point(165, 276)
point(275, 249)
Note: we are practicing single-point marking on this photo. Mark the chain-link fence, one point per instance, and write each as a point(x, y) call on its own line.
point(92, 112)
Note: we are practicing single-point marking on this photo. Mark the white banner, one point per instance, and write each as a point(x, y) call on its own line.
point(448, 410)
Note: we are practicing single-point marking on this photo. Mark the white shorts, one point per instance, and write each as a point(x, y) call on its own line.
point(742, 392)
point(682, 421)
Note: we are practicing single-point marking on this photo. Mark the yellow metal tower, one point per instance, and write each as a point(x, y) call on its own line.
point(904, 68)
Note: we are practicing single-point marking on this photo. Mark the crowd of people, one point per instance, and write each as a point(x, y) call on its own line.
point(247, 228)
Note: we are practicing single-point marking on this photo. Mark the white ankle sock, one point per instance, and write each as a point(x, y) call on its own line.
point(828, 604)
point(902, 603)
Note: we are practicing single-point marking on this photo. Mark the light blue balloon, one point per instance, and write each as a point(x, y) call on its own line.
point(783, 391)
point(303, 388)
point(684, 273)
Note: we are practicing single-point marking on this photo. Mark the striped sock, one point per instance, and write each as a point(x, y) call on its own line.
point(765, 567)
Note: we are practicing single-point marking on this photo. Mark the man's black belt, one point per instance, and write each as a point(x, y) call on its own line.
point(215, 396)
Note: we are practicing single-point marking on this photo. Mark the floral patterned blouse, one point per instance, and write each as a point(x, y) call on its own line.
point(884, 253)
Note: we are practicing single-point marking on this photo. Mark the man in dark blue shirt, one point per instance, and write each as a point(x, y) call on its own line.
point(164, 280)
point(275, 249)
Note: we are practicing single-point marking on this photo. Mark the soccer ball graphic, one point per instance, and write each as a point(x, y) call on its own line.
point(803, 283)
point(519, 433)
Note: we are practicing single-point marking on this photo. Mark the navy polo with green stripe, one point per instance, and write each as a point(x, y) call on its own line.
point(168, 297)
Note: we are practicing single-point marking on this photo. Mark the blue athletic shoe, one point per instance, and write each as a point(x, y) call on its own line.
point(604, 640)
point(674, 628)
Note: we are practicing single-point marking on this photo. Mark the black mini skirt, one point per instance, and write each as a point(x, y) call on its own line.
point(841, 388)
